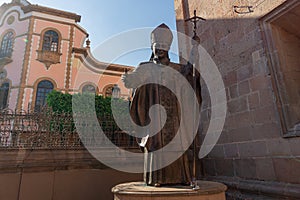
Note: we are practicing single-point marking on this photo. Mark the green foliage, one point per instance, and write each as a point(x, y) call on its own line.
point(112, 114)
point(59, 102)
point(85, 103)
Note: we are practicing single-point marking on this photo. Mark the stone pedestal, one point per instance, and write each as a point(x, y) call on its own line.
point(139, 191)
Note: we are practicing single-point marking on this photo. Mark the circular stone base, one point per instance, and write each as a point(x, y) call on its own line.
point(139, 191)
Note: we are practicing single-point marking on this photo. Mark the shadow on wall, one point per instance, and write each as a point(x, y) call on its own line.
point(259, 62)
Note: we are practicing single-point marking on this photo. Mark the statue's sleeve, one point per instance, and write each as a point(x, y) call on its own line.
point(137, 77)
point(187, 71)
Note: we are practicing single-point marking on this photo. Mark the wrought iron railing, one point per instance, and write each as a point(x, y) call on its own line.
point(47, 129)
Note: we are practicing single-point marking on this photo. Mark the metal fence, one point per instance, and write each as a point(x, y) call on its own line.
point(47, 129)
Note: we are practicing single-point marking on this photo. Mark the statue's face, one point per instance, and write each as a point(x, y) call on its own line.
point(159, 51)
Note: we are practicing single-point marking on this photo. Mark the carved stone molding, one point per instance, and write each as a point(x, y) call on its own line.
point(48, 57)
point(4, 61)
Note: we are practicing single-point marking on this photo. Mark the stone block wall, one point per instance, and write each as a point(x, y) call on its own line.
point(252, 156)
point(57, 174)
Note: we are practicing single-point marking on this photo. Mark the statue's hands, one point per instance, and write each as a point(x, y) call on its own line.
point(135, 78)
point(144, 141)
point(125, 80)
point(129, 80)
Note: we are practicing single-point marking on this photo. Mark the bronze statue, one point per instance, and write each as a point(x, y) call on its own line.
point(145, 96)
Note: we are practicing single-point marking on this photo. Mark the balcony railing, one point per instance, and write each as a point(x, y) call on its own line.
point(49, 130)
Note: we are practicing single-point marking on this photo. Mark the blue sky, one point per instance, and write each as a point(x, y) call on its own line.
point(104, 19)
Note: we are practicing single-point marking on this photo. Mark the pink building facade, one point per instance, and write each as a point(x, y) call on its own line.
point(44, 49)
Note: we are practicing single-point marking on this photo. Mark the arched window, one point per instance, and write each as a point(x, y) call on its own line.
point(108, 91)
point(43, 88)
point(89, 89)
point(4, 95)
point(50, 41)
point(7, 45)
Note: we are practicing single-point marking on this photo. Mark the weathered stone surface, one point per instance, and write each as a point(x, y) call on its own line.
point(264, 169)
point(253, 132)
point(287, 169)
point(245, 168)
point(231, 151)
point(253, 149)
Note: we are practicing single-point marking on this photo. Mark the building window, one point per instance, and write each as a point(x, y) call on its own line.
point(4, 95)
point(89, 89)
point(43, 88)
point(108, 91)
point(7, 45)
point(283, 45)
point(50, 41)
point(49, 52)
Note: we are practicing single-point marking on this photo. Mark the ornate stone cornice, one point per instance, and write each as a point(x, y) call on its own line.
point(51, 11)
point(85, 56)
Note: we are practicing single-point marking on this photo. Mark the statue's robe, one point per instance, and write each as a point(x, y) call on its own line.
point(144, 97)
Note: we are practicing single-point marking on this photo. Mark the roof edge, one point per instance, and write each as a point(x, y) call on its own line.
point(51, 11)
point(86, 53)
